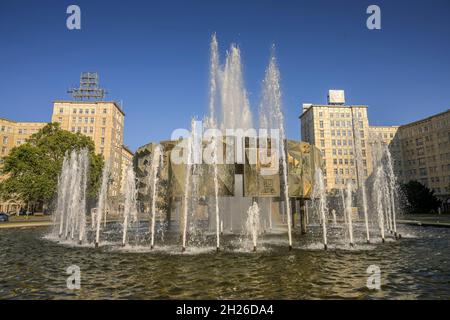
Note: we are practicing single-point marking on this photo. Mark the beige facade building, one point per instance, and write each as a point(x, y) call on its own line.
point(15, 133)
point(389, 136)
point(127, 161)
point(103, 122)
point(335, 128)
point(426, 152)
point(12, 134)
point(420, 150)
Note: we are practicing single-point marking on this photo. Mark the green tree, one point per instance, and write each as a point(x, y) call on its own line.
point(420, 199)
point(32, 169)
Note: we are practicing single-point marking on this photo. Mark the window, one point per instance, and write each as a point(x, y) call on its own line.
point(61, 110)
point(321, 124)
point(105, 111)
point(91, 129)
point(74, 110)
point(104, 121)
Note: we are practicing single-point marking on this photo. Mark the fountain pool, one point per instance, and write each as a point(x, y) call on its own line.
point(417, 267)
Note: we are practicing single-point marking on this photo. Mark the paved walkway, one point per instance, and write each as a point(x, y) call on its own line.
point(426, 220)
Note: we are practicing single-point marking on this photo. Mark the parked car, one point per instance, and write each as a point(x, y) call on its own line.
point(4, 217)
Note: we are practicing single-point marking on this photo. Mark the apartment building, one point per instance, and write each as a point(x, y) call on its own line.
point(13, 133)
point(420, 150)
point(389, 136)
point(127, 161)
point(338, 130)
point(426, 152)
point(103, 122)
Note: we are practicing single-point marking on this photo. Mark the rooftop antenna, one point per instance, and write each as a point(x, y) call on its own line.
point(89, 88)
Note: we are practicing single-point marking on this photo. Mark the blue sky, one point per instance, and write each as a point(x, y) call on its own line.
point(153, 55)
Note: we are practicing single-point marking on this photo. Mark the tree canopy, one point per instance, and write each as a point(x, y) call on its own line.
point(31, 170)
point(420, 199)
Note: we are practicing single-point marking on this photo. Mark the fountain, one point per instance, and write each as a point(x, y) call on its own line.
point(154, 171)
point(378, 196)
point(101, 205)
point(216, 192)
point(70, 214)
point(129, 209)
point(321, 207)
point(360, 171)
point(204, 199)
point(188, 170)
point(348, 210)
point(392, 188)
point(271, 117)
point(252, 225)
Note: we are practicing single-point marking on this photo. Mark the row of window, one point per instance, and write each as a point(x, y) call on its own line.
point(340, 133)
point(85, 111)
point(349, 162)
point(19, 131)
point(86, 130)
point(340, 114)
point(341, 152)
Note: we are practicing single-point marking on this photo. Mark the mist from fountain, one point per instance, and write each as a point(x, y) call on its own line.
point(216, 191)
point(102, 201)
point(392, 180)
point(378, 195)
point(360, 171)
point(156, 164)
point(188, 162)
point(271, 117)
point(319, 198)
point(70, 214)
point(348, 210)
point(130, 205)
point(253, 224)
